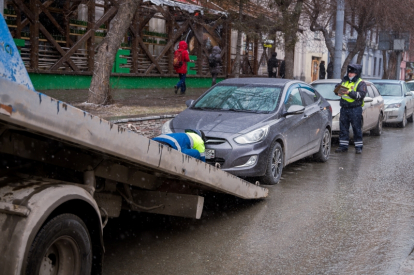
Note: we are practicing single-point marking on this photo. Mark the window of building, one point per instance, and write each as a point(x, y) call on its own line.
point(375, 66)
point(380, 67)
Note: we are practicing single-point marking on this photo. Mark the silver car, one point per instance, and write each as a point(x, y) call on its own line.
point(372, 112)
point(399, 101)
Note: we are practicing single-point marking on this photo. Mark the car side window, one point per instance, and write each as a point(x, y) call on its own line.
point(370, 91)
point(293, 98)
point(376, 93)
point(308, 97)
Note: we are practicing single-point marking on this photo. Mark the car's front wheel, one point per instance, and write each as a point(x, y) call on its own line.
point(403, 123)
point(325, 148)
point(411, 118)
point(274, 165)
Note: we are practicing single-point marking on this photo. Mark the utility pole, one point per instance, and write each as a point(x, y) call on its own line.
point(340, 14)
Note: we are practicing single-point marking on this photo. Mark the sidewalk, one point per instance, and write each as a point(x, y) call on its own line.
point(130, 103)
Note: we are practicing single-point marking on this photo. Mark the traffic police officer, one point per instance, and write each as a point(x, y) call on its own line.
point(190, 143)
point(351, 109)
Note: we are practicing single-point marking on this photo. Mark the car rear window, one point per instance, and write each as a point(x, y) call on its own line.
point(326, 90)
point(246, 98)
point(389, 89)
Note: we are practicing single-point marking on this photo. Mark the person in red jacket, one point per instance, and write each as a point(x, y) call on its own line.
point(181, 58)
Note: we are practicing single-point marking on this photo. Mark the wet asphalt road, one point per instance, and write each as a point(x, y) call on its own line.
point(351, 215)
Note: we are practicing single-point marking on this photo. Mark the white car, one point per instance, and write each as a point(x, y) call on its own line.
point(372, 112)
point(399, 101)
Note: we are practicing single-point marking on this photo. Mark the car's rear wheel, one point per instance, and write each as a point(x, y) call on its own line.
point(377, 131)
point(274, 165)
point(62, 246)
point(411, 118)
point(403, 123)
point(325, 148)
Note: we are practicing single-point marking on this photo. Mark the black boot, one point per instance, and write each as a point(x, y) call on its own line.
point(341, 150)
point(358, 150)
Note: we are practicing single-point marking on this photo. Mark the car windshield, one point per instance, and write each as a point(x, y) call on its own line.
point(326, 90)
point(389, 89)
point(410, 86)
point(243, 98)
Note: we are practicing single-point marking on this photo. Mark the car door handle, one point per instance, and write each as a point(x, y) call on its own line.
point(305, 115)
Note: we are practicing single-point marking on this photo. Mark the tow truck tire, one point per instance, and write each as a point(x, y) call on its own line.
point(274, 165)
point(325, 147)
point(62, 246)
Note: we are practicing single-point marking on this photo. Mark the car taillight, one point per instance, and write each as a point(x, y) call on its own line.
point(330, 108)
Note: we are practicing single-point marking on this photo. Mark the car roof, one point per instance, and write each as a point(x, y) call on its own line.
point(321, 81)
point(256, 80)
point(387, 81)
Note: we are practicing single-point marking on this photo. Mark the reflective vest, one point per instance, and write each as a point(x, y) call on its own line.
point(351, 87)
point(197, 143)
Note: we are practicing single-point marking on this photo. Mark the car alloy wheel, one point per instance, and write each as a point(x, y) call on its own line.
point(403, 123)
point(325, 147)
point(274, 165)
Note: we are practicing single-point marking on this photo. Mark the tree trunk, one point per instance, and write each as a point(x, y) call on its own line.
point(239, 41)
point(359, 46)
point(99, 92)
point(392, 66)
point(384, 65)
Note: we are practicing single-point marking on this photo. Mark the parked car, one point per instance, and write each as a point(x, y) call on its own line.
point(410, 85)
point(372, 112)
point(399, 101)
point(256, 126)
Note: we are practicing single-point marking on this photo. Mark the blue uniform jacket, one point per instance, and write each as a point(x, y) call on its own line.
point(180, 142)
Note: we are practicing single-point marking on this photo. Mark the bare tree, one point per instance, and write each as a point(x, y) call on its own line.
point(99, 91)
point(290, 14)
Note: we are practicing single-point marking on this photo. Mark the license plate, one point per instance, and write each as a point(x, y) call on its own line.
point(210, 153)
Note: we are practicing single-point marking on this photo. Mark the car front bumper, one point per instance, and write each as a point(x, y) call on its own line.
point(229, 156)
point(393, 115)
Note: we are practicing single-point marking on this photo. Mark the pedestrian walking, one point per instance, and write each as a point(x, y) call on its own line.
point(322, 71)
point(181, 58)
point(282, 69)
point(214, 62)
point(272, 65)
point(351, 103)
point(191, 142)
point(330, 70)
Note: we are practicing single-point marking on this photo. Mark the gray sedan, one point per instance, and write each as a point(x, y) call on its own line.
point(256, 126)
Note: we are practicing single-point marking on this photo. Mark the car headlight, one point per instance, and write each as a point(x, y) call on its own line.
point(166, 128)
point(337, 117)
point(253, 136)
point(394, 105)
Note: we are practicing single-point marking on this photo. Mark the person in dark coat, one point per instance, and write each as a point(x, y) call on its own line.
point(330, 70)
point(351, 103)
point(214, 62)
point(322, 71)
point(181, 70)
point(282, 69)
point(272, 65)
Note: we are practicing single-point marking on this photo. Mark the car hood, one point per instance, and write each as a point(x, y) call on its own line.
point(393, 99)
point(216, 121)
point(336, 108)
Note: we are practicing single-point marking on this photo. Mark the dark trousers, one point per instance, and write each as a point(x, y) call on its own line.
point(214, 78)
point(181, 83)
point(272, 74)
point(353, 117)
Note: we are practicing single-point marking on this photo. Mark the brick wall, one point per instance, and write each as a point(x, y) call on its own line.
point(147, 126)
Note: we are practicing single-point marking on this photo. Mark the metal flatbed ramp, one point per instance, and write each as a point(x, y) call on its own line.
point(45, 115)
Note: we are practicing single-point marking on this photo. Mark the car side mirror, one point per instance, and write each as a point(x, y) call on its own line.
point(189, 102)
point(408, 94)
point(368, 99)
point(295, 110)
